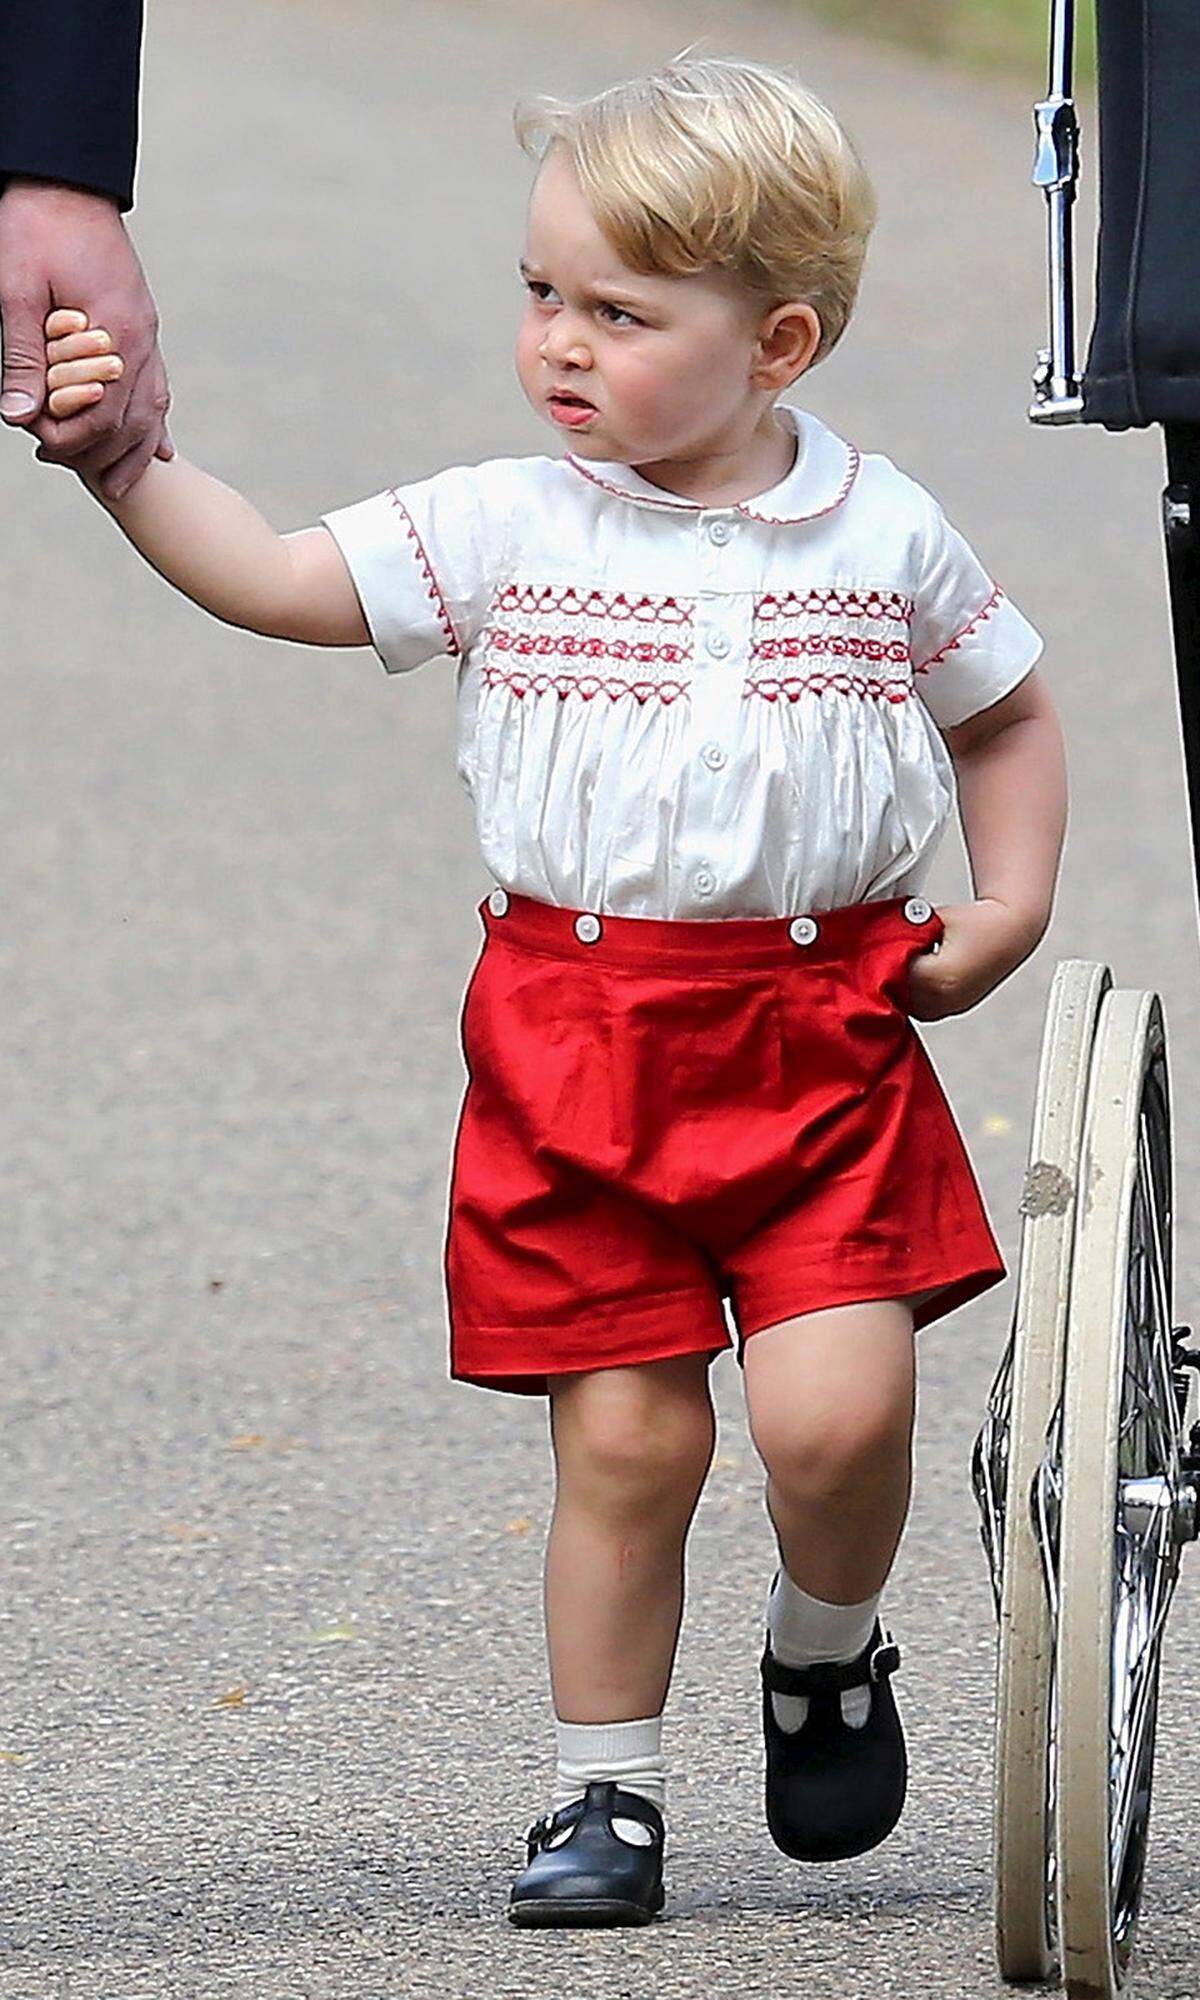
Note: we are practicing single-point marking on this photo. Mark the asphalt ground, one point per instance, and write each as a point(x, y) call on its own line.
point(272, 1699)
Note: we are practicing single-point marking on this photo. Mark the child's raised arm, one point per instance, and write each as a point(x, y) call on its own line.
point(204, 537)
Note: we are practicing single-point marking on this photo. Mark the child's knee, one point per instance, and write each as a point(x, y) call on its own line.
point(629, 1439)
point(822, 1457)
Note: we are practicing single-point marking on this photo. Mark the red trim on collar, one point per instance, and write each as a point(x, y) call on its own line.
point(791, 520)
point(741, 507)
point(647, 500)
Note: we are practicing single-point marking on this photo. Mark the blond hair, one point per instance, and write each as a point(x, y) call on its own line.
point(715, 163)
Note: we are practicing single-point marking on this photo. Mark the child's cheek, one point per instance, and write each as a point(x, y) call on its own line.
point(648, 389)
point(526, 355)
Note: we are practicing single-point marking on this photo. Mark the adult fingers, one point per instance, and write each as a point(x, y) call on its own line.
point(74, 440)
point(91, 442)
point(103, 449)
point(135, 440)
point(23, 308)
point(146, 423)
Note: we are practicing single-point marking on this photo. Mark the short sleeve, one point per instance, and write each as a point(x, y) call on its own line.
point(970, 645)
point(424, 559)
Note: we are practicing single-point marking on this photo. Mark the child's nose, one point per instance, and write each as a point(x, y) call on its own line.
point(565, 343)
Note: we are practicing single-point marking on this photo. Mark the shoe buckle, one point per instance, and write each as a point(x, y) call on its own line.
point(885, 1659)
point(539, 1833)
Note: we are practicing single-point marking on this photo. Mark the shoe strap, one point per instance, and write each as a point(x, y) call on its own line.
point(619, 1804)
point(606, 1798)
point(543, 1830)
point(876, 1662)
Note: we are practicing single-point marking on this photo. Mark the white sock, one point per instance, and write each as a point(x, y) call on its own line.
point(804, 1631)
point(627, 1753)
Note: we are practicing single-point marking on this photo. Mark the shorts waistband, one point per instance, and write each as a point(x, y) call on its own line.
point(700, 945)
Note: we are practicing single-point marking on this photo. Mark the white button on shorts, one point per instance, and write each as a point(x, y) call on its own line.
point(917, 910)
point(498, 902)
point(803, 930)
point(587, 928)
point(704, 882)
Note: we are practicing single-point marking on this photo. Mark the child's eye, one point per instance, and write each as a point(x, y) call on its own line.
point(544, 293)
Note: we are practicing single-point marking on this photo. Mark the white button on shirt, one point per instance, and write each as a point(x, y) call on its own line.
point(610, 661)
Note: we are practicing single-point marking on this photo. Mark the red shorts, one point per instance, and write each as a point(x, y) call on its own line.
point(660, 1115)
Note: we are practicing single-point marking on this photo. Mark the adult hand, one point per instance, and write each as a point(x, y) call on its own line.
point(62, 246)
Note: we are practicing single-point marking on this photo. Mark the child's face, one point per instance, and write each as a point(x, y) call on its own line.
point(663, 363)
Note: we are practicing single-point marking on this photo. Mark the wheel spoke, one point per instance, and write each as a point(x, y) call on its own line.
point(1046, 1509)
point(989, 1468)
point(1145, 1539)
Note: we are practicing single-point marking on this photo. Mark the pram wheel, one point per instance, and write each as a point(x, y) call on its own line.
point(1010, 1453)
point(1126, 1505)
point(1086, 1492)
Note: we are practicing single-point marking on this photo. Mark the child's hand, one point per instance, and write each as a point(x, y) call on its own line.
point(80, 360)
point(981, 944)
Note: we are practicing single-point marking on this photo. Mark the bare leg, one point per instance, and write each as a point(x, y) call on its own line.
point(831, 1404)
point(632, 1448)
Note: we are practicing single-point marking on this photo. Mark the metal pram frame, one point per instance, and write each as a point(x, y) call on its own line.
point(1086, 1470)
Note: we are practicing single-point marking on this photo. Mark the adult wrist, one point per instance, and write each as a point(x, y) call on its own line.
point(65, 194)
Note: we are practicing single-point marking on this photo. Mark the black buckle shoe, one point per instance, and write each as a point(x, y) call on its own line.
point(834, 1791)
point(592, 1876)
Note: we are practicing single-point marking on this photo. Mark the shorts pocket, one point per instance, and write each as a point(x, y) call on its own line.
point(885, 967)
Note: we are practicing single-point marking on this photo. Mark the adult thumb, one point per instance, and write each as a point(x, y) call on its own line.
point(24, 384)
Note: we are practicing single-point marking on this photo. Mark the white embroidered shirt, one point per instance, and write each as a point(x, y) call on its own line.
point(673, 710)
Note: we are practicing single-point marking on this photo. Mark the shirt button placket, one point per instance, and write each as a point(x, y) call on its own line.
point(716, 698)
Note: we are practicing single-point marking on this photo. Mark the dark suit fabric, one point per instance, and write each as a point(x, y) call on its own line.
point(1144, 361)
point(69, 92)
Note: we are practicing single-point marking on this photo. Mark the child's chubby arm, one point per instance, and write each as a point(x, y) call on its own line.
point(1012, 799)
point(202, 536)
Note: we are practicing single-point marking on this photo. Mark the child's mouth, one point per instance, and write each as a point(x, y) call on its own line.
point(570, 410)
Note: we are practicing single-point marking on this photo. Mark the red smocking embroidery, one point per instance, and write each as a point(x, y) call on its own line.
point(593, 604)
point(843, 645)
point(984, 612)
point(859, 684)
point(431, 583)
point(586, 685)
point(830, 603)
point(578, 645)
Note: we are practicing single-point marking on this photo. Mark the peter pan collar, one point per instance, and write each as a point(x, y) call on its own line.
point(824, 471)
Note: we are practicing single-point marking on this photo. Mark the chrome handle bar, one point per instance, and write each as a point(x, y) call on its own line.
point(1057, 392)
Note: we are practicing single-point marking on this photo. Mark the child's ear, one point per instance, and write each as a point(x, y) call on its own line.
point(787, 340)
